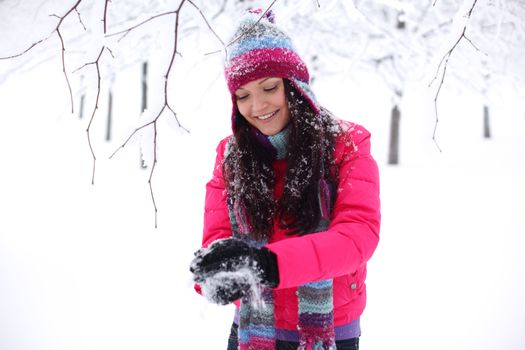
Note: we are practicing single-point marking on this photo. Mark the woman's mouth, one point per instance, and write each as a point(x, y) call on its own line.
point(266, 116)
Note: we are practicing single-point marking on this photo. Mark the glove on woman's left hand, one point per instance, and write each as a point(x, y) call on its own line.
point(230, 256)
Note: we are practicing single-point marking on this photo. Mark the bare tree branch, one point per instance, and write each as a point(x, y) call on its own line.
point(105, 15)
point(88, 130)
point(80, 19)
point(207, 23)
point(165, 106)
point(28, 49)
point(244, 33)
point(63, 54)
point(127, 31)
point(444, 62)
point(474, 45)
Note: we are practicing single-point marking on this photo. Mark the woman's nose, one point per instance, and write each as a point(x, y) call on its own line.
point(259, 104)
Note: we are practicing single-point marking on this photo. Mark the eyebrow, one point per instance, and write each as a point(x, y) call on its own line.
point(262, 81)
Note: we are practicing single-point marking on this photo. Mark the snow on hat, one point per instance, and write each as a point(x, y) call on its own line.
point(260, 49)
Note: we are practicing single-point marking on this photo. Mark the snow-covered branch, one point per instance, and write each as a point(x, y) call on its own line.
point(397, 40)
point(56, 30)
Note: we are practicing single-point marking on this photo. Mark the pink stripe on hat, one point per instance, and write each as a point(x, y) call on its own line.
point(260, 63)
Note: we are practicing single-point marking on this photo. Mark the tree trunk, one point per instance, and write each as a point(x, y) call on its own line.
point(81, 108)
point(144, 86)
point(144, 102)
point(486, 122)
point(110, 110)
point(393, 151)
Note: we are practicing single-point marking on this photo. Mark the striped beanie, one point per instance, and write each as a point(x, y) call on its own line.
point(260, 49)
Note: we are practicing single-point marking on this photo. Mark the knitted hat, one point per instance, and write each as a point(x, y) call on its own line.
point(260, 49)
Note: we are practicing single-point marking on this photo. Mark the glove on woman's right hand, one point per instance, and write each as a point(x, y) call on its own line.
point(223, 262)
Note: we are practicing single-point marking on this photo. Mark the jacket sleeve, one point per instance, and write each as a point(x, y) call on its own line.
point(353, 233)
point(216, 217)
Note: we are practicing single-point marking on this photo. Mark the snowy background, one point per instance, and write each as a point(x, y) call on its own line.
point(83, 267)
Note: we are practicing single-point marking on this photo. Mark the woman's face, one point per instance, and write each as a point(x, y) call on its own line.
point(263, 104)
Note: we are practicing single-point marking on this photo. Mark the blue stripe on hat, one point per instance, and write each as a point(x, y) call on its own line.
point(262, 42)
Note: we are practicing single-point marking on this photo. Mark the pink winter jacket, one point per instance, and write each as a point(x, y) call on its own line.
point(341, 252)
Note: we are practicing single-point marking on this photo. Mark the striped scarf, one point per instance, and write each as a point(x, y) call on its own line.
point(315, 299)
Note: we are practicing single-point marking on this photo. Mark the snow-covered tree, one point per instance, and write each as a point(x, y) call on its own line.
point(474, 44)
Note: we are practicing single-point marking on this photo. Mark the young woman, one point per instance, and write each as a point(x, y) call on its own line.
point(292, 212)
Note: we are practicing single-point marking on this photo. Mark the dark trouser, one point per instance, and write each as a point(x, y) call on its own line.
point(346, 344)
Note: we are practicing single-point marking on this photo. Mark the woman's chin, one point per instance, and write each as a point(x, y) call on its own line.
point(270, 129)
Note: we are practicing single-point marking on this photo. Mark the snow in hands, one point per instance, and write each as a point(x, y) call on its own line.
point(228, 270)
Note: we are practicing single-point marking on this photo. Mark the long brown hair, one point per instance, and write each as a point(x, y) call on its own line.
point(310, 160)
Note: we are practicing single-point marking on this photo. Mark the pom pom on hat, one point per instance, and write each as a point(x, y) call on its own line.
point(268, 14)
point(260, 49)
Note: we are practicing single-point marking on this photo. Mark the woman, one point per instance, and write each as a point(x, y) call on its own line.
point(292, 212)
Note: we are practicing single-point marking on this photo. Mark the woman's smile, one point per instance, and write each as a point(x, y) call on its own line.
point(267, 117)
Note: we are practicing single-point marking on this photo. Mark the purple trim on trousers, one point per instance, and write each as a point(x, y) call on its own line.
point(347, 331)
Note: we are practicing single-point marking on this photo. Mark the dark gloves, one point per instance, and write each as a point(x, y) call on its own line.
point(228, 268)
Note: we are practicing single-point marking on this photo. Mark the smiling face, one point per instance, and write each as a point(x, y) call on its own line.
point(263, 104)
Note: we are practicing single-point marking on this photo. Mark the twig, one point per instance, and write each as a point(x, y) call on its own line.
point(57, 29)
point(444, 62)
point(88, 130)
point(474, 45)
point(104, 19)
point(165, 106)
point(64, 70)
point(26, 50)
point(80, 19)
point(127, 31)
point(436, 105)
point(150, 183)
point(206, 21)
point(246, 32)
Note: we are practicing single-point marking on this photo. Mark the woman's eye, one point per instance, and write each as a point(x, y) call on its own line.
point(270, 88)
point(240, 98)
